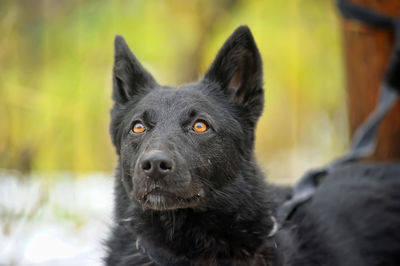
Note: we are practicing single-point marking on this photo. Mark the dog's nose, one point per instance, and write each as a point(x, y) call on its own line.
point(156, 164)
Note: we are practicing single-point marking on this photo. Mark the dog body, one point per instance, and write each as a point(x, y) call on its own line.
point(189, 192)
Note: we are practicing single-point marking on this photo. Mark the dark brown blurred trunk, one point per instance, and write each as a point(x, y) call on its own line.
point(210, 17)
point(367, 52)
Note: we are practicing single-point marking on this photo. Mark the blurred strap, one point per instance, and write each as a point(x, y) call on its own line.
point(364, 141)
point(365, 15)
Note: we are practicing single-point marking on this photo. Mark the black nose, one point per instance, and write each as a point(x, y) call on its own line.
point(156, 164)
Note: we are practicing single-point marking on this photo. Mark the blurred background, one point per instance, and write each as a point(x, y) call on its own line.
point(56, 157)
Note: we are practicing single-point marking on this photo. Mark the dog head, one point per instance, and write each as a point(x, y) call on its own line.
point(176, 146)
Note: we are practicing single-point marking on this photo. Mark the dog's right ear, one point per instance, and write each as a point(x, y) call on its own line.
point(237, 69)
point(129, 76)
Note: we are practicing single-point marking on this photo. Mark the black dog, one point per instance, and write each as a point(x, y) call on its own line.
point(189, 192)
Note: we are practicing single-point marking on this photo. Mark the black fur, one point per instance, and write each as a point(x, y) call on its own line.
point(189, 198)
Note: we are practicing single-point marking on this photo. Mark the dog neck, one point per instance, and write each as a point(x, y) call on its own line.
point(238, 231)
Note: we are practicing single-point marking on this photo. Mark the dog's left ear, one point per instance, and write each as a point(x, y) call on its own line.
point(130, 79)
point(237, 69)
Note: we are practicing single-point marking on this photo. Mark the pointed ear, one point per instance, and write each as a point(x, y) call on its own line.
point(129, 76)
point(237, 69)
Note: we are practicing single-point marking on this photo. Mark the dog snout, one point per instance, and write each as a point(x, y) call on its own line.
point(156, 164)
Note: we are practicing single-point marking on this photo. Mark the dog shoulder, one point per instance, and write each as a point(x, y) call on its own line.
point(353, 218)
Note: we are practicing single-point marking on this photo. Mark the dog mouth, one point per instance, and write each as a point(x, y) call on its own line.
point(158, 199)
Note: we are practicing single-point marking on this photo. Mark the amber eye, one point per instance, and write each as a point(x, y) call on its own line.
point(138, 128)
point(200, 127)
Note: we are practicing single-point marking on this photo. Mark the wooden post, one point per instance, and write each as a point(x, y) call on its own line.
point(367, 51)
